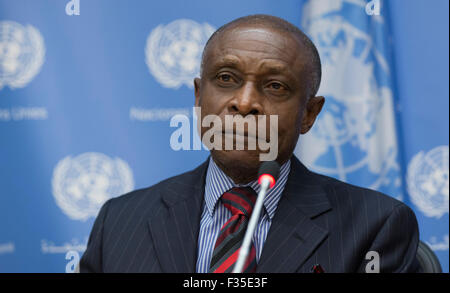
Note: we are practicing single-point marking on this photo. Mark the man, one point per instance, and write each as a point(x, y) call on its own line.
point(194, 222)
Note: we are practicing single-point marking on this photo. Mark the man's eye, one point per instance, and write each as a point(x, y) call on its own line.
point(224, 77)
point(276, 86)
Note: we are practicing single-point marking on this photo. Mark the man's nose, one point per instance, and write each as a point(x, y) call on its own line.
point(246, 101)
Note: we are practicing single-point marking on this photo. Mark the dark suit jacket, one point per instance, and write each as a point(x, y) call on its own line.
point(319, 220)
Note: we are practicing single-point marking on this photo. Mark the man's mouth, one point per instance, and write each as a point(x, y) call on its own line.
point(238, 133)
point(250, 140)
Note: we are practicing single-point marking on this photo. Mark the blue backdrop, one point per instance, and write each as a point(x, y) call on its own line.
point(87, 93)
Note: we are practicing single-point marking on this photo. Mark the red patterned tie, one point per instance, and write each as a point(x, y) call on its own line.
point(240, 201)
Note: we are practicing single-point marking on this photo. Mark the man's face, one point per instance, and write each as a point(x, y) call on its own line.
point(255, 70)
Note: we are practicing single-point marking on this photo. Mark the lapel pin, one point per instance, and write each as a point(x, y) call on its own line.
point(317, 269)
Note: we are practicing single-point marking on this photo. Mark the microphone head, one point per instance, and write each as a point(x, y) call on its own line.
point(269, 170)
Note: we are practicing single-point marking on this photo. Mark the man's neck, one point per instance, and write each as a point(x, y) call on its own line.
point(239, 175)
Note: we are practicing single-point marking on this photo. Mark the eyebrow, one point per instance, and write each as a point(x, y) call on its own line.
point(227, 61)
point(269, 66)
point(274, 67)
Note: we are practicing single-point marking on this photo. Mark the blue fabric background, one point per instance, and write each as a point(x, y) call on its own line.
point(95, 71)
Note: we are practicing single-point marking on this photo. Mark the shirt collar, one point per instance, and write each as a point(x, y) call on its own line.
point(217, 182)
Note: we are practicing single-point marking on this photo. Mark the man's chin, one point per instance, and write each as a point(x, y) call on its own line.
point(247, 161)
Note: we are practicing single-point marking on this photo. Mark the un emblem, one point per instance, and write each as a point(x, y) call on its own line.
point(22, 54)
point(173, 52)
point(354, 137)
point(83, 183)
point(427, 179)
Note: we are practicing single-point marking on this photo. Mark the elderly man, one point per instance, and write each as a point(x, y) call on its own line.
point(195, 222)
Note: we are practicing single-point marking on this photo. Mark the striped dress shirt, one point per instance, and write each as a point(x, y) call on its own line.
point(215, 214)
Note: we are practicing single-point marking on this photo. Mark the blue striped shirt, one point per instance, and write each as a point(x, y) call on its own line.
point(215, 214)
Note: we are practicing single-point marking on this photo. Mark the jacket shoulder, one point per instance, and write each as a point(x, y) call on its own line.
point(145, 199)
point(343, 195)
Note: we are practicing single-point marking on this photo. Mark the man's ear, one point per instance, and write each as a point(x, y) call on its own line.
point(312, 109)
point(197, 84)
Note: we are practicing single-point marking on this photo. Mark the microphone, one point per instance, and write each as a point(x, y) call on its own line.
point(268, 174)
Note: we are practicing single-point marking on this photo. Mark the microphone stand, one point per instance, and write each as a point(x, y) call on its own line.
point(245, 247)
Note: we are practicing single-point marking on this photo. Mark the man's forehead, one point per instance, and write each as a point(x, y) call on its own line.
point(260, 32)
point(260, 41)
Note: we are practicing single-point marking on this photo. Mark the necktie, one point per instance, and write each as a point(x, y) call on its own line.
point(240, 201)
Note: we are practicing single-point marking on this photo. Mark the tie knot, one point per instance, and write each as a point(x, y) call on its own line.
point(240, 200)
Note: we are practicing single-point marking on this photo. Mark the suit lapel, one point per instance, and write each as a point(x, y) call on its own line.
point(292, 238)
point(293, 235)
point(174, 228)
